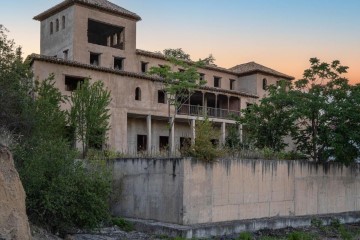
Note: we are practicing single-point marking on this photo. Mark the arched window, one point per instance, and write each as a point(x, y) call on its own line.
point(57, 25)
point(51, 27)
point(63, 22)
point(138, 94)
point(264, 84)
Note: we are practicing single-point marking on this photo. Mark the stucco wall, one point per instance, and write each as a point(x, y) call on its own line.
point(238, 189)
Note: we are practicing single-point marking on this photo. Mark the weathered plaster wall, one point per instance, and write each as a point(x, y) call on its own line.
point(150, 189)
point(242, 189)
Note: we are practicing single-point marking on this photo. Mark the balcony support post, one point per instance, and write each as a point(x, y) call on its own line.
point(149, 135)
point(223, 133)
point(193, 134)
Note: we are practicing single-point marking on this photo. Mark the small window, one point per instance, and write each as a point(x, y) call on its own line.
point(202, 76)
point(185, 143)
point(51, 27)
point(217, 82)
point(95, 59)
point(57, 25)
point(181, 70)
point(138, 94)
point(141, 143)
point(232, 84)
point(71, 83)
point(119, 63)
point(264, 84)
point(63, 22)
point(161, 96)
point(66, 54)
point(163, 143)
point(144, 67)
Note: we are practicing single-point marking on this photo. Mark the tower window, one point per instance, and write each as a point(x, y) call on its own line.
point(161, 96)
point(71, 83)
point(57, 25)
point(95, 59)
point(51, 27)
point(264, 84)
point(63, 22)
point(138, 94)
point(66, 54)
point(202, 76)
point(106, 34)
point(217, 82)
point(119, 63)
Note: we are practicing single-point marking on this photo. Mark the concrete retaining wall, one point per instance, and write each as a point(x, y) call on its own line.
point(185, 191)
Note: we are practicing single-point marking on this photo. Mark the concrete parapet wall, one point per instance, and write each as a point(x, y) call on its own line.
point(186, 191)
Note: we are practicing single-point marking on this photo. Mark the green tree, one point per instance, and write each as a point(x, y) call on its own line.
point(327, 113)
point(89, 114)
point(180, 79)
point(268, 122)
point(15, 88)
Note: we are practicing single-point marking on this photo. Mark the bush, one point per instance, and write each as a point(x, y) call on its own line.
point(123, 224)
point(63, 193)
point(245, 236)
point(204, 148)
point(300, 236)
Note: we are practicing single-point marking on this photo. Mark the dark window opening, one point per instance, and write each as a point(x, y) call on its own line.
point(161, 96)
point(202, 76)
point(185, 143)
point(138, 94)
point(72, 83)
point(66, 54)
point(106, 34)
point(144, 67)
point(163, 143)
point(264, 84)
point(57, 25)
point(215, 142)
point(51, 28)
point(232, 84)
point(141, 143)
point(217, 81)
point(181, 70)
point(119, 63)
point(95, 59)
point(63, 22)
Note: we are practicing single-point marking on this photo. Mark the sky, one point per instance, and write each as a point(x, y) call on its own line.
point(280, 34)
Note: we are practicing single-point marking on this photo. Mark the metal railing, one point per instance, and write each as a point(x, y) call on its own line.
point(196, 110)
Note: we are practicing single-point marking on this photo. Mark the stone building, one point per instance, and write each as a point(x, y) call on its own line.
point(97, 39)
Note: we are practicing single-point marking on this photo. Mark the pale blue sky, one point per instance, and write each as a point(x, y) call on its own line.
point(277, 33)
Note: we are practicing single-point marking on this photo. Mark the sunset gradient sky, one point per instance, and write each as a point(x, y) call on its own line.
point(276, 33)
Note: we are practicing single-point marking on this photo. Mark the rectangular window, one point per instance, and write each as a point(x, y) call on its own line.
point(202, 76)
point(185, 143)
point(66, 54)
point(105, 34)
point(217, 82)
point(144, 67)
point(71, 83)
point(181, 70)
point(118, 63)
point(141, 143)
point(163, 143)
point(95, 59)
point(161, 96)
point(232, 84)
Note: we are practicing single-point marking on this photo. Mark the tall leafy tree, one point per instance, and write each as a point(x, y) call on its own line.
point(89, 114)
point(179, 85)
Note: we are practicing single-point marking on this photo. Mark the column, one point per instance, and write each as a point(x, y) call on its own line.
point(172, 136)
point(149, 136)
point(223, 132)
point(193, 134)
point(240, 132)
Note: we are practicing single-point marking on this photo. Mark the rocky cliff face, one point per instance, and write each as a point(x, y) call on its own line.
point(14, 223)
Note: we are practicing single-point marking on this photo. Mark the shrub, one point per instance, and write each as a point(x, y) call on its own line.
point(204, 148)
point(245, 236)
point(297, 235)
point(123, 224)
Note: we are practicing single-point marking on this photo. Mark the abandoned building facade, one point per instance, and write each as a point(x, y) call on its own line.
point(97, 39)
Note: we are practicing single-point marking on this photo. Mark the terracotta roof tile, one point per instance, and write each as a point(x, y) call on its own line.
point(99, 4)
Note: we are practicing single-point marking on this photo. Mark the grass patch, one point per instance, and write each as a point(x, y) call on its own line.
point(123, 224)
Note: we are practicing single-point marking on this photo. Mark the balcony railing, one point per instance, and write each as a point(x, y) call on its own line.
point(195, 110)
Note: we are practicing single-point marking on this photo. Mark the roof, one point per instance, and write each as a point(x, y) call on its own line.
point(60, 61)
point(253, 67)
point(239, 70)
point(99, 4)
